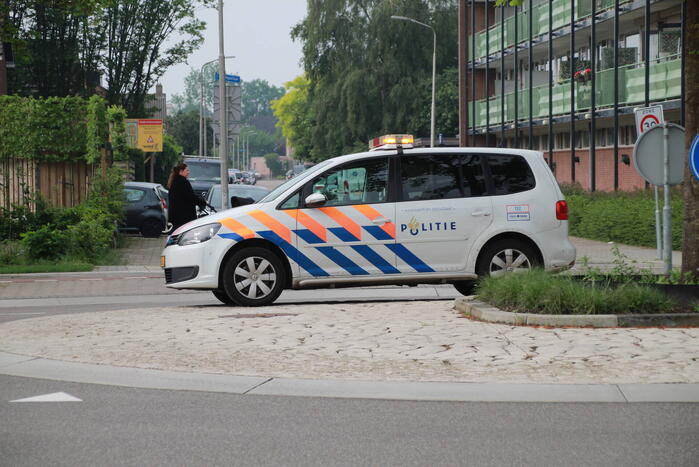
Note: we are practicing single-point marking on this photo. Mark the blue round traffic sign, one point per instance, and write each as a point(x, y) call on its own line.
point(694, 157)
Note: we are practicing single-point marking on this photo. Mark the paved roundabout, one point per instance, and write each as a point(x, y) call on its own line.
point(390, 342)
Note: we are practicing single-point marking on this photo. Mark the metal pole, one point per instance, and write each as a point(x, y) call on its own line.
point(550, 122)
point(530, 14)
point(616, 94)
point(473, 73)
point(487, 74)
point(646, 53)
point(593, 100)
point(434, 79)
point(223, 143)
point(502, 76)
point(682, 41)
point(201, 115)
point(516, 71)
point(667, 217)
point(572, 91)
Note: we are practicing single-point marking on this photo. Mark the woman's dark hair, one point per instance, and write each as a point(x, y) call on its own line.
point(175, 172)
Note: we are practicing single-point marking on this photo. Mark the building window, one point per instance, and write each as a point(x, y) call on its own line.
point(627, 135)
point(562, 141)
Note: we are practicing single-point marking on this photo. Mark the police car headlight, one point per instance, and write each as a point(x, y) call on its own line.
point(199, 234)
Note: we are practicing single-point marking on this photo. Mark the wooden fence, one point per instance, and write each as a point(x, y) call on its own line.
point(62, 184)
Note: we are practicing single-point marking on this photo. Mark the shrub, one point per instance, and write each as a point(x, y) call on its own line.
point(623, 217)
point(44, 243)
point(89, 239)
point(541, 292)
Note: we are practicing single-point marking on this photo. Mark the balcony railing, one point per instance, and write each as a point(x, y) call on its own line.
point(665, 83)
point(540, 23)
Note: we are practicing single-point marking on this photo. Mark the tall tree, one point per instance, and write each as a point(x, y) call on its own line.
point(52, 44)
point(294, 118)
point(136, 55)
point(193, 84)
point(690, 190)
point(256, 96)
point(366, 70)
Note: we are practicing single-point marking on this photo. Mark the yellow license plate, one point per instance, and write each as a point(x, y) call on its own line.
point(162, 261)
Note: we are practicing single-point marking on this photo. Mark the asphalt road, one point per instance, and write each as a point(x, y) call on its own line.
point(122, 426)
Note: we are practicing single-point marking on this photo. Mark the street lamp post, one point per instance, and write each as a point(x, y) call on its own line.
point(222, 104)
point(202, 118)
point(434, 69)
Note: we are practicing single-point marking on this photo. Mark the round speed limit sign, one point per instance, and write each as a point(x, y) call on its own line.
point(648, 117)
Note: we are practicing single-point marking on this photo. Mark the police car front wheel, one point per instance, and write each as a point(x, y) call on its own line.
point(254, 277)
point(507, 256)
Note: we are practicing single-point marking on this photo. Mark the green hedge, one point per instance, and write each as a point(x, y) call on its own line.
point(59, 129)
point(622, 217)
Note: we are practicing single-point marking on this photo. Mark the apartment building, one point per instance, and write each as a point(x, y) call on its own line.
point(565, 76)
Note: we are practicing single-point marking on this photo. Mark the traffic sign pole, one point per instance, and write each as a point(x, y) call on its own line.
point(667, 218)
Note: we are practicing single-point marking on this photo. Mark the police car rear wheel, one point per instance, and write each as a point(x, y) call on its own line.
point(507, 256)
point(465, 287)
point(254, 277)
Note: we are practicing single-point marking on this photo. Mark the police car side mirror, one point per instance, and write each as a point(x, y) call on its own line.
point(315, 199)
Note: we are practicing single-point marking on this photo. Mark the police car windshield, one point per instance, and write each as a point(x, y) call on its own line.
point(201, 171)
point(274, 194)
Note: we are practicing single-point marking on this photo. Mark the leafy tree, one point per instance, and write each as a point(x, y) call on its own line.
point(294, 118)
point(256, 96)
point(275, 165)
point(367, 73)
point(49, 39)
point(258, 142)
point(135, 34)
point(184, 129)
point(690, 243)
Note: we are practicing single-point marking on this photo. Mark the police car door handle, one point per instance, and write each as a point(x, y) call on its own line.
point(380, 221)
point(480, 213)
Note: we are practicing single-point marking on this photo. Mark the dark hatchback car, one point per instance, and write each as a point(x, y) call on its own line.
point(145, 210)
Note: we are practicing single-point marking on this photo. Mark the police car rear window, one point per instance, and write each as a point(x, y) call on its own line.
point(510, 174)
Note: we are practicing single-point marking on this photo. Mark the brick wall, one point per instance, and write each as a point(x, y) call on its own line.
point(629, 179)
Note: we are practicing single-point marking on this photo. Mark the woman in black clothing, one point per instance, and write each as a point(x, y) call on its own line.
point(182, 201)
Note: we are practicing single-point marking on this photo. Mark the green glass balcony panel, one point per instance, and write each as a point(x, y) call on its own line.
point(509, 31)
point(583, 8)
point(495, 111)
point(541, 18)
point(561, 99)
point(583, 95)
point(523, 26)
point(658, 81)
point(542, 105)
point(635, 84)
point(605, 87)
point(674, 78)
point(509, 107)
point(561, 13)
point(480, 44)
point(494, 38)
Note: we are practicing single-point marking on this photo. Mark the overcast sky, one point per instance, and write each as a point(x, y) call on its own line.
point(257, 33)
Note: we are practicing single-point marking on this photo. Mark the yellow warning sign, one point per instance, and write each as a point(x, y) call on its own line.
point(150, 135)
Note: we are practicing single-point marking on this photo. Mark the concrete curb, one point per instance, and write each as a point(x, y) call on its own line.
point(485, 312)
point(32, 367)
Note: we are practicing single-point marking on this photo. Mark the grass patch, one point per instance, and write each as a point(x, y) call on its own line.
point(67, 266)
point(541, 292)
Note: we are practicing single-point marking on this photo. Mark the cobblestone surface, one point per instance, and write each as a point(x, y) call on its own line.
point(417, 341)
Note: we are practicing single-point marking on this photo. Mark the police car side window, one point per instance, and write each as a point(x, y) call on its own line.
point(429, 177)
point(510, 174)
point(292, 202)
point(364, 182)
point(472, 176)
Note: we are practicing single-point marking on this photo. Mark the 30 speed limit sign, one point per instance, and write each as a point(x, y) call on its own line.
point(648, 117)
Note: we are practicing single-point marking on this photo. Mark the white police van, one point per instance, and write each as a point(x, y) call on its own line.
point(394, 216)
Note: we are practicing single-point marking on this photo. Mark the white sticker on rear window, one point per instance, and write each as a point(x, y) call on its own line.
point(518, 212)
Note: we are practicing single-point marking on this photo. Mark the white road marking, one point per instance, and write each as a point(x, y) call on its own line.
point(90, 279)
point(45, 280)
point(137, 277)
point(6, 282)
point(53, 397)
